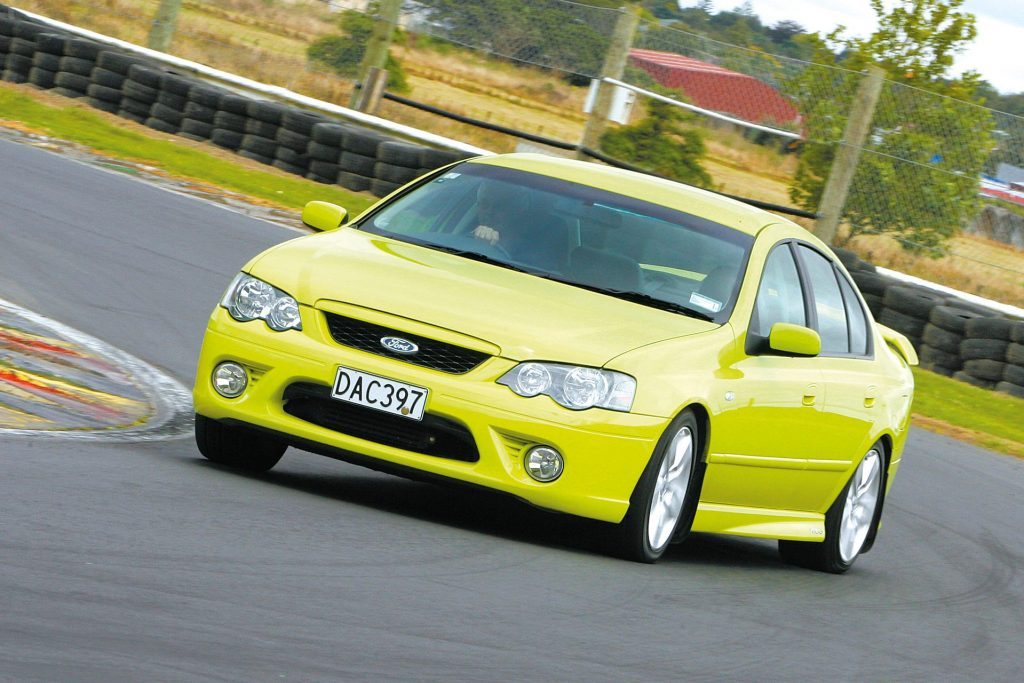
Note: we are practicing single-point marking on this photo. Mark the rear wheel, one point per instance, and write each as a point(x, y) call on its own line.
point(664, 502)
point(849, 523)
point(237, 447)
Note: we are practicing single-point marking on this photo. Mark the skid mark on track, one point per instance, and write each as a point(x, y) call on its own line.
point(58, 382)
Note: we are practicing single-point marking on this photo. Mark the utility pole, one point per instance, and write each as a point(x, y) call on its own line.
point(858, 125)
point(162, 30)
point(613, 67)
point(373, 73)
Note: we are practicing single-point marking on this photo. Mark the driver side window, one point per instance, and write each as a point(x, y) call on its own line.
point(780, 298)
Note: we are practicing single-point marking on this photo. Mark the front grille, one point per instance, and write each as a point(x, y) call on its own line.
point(432, 354)
point(433, 435)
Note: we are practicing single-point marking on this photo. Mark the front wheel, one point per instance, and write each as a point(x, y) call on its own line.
point(665, 499)
point(237, 447)
point(849, 522)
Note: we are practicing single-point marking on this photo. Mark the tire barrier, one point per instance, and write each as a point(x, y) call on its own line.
point(285, 137)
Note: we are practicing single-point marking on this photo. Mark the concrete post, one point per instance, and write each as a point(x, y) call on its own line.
point(858, 125)
point(162, 29)
point(376, 55)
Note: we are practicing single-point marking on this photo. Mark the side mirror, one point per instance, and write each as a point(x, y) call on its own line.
point(794, 340)
point(323, 215)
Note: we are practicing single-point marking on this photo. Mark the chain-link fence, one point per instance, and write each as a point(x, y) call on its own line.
point(526, 66)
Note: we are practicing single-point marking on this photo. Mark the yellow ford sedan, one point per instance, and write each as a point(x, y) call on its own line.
point(590, 340)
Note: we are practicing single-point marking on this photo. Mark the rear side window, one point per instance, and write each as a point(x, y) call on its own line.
point(780, 298)
point(855, 317)
point(828, 302)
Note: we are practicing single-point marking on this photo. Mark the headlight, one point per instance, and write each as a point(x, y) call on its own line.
point(572, 386)
point(250, 298)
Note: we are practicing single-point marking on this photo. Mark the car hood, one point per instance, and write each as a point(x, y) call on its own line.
point(526, 316)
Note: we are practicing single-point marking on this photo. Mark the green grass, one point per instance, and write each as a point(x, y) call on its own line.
point(987, 418)
point(109, 136)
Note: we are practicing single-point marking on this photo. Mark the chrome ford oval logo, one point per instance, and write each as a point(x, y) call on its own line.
point(399, 345)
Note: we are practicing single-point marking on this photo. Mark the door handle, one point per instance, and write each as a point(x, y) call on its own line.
point(870, 394)
point(810, 394)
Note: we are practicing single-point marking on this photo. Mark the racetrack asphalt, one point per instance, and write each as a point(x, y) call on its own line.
point(132, 562)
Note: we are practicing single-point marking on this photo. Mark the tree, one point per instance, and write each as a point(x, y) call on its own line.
point(661, 143)
point(918, 176)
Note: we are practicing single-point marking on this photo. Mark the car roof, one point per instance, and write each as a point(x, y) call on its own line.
point(692, 200)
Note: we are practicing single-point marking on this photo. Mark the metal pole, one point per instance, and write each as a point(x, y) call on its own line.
point(376, 55)
point(613, 67)
point(858, 125)
point(162, 29)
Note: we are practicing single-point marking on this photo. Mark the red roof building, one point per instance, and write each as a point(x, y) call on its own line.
point(716, 88)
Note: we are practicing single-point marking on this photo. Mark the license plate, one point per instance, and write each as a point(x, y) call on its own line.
point(380, 393)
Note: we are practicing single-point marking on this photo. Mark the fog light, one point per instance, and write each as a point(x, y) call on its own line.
point(230, 379)
point(544, 463)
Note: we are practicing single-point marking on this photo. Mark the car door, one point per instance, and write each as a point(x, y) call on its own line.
point(772, 423)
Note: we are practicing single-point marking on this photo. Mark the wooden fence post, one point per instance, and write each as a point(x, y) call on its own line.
point(162, 29)
point(376, 55)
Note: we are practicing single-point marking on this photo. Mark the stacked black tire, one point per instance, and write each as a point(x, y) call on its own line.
point(288, 138)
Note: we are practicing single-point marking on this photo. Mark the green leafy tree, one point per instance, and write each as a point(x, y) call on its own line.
point(662, 143)
point(917, 178)
point(342, 54)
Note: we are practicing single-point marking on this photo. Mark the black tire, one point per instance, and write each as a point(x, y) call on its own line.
point(849, 259)
point(68, 92)
point(320, 179)
point(225, 120)
point(940, 369)
point(362, 141)
point(916, 302)
point(941, 339)
point(292, 158)
point(6, 25)
point(324, 169)
point(199, 112)
point(873, 283)
point(826, 556)
point(354, 181)
point(5, 47)
point(1017, 332)
point(289, 168)
point(988, 328)
point(256, 157)
point(950, 318)
point(1015, 354)
point(13, 76)
point(964, 376)
point(630, 537)
point(166, 114)
point(52, 44)
point(18, 63)
point(100, 92)
point(299, 121)
point(933, 356)
point(260, 145)
point(22, 47)
point(205, 95)
point(268, 112)
point(102, 105)
point(983, 349)
point(237, 447)
point(193, 137)
point(46, 61)
point(292, 140)
point(72, 82)
point(200, 129)
point(176, 85)
point(329, 134)
point(172, 100)
point(436, 158)
point(146, 75)
point(400, 175)
point(42, 77)
point(135, 107)
point(983, 311)
point(117, 62)
point(1011, 389)
point(228, 139)
point(399, 154)
point(139, 92)
point(83, 49)
point(904, 324)
point(234, 104)
point(874, 303)
point(1014, 373)
point(323, 152)
point(382, 188)
point(76, 65)
point(989, 370)
point(160, 125)
point(261, 128)
point(107, 78)
point(357, 163)
point(130, 115)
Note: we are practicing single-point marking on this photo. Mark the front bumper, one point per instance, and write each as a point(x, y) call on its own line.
point(605, 451)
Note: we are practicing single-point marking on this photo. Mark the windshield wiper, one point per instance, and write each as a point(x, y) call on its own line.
point(641, 298)
point(471, 255)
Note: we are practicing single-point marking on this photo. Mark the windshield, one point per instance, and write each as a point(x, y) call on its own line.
point(575, 234)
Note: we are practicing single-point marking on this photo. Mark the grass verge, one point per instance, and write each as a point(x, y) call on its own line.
point(170, 155)
point(985, 418)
